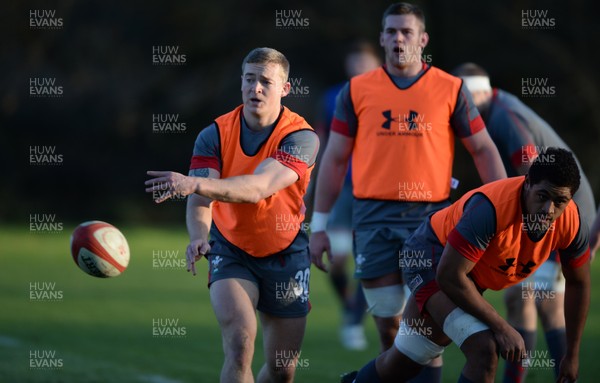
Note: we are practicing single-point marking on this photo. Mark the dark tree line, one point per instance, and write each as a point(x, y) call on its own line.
point(113, 91)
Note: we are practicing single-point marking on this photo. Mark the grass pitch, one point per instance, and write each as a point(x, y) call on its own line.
point(60, 325)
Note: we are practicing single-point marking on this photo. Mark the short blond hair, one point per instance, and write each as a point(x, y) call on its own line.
point(266, 55)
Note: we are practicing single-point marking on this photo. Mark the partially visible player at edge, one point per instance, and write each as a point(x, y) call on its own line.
point(595, 235)
point(519, 133)
point(249, 173)
point(486, 240)
point(398, 123)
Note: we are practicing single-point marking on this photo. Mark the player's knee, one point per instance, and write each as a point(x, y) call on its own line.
point(412, 342)
point(473, 337)
point(387, 301)
point(229, 323)
point(239, 348)
point(240, 358)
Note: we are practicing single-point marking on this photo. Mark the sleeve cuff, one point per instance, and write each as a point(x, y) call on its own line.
point(340, 127)
point(291, 162)
point(200, 162)
point(464, 247)
point(579, 261)
point(476, 125)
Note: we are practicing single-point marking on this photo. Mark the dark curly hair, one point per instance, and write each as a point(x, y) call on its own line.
point(556, 165)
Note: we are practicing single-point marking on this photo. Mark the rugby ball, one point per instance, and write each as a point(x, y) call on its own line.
point(99, 249)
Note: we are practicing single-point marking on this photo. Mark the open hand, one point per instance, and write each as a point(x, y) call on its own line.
point(170, 184)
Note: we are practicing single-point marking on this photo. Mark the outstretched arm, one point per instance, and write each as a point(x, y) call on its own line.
point(270, 177)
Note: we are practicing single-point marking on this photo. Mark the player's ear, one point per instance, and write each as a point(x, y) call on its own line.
point(285, 90)
point(381, 39)
point(241, 82)
point(424, 39)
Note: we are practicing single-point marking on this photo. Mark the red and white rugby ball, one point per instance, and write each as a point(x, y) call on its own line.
point(100, 249)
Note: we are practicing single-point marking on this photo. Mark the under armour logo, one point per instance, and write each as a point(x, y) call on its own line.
point(412, 116)
point(526, 267)
point(509, 263)
point(388, 119)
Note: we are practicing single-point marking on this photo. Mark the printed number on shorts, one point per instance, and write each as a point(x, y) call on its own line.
point(302, 277)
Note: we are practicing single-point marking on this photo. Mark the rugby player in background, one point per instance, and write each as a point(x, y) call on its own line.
point(398, 123)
